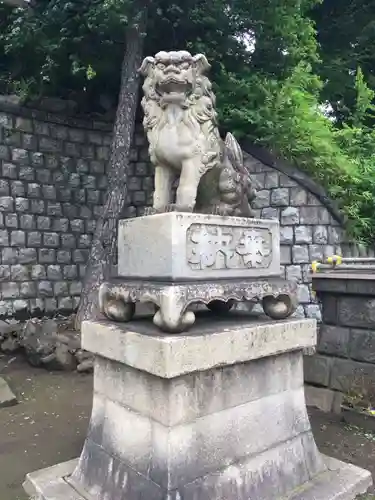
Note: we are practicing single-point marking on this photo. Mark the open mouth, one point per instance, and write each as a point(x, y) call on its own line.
point(172, 85)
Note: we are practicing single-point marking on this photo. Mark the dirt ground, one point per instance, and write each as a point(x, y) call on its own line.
point(49, 424)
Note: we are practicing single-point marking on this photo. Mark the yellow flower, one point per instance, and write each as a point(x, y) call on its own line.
point(315, 266)
point(336, 260)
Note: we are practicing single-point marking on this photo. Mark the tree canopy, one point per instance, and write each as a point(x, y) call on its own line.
point(276, 66)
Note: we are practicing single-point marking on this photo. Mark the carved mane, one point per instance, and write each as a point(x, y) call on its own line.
point(199, 104)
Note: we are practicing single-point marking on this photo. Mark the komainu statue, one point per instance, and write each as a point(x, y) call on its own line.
point(181, 125)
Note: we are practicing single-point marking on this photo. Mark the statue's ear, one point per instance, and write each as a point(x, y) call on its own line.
point(147, 64)
point(201, 64)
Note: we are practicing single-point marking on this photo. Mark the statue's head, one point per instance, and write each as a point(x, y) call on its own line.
point(174, 73)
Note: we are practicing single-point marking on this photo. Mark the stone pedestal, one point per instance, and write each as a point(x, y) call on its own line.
point(175, 260)
point(218, 413)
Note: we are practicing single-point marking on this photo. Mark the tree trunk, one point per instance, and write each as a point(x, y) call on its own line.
point(104, 246)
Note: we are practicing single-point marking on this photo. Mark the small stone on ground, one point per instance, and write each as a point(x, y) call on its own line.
point(7, 398)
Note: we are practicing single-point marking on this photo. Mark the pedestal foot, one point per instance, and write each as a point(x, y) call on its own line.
point(118, 310)
point(280, 307)
point(173, 323)
point(117, 299)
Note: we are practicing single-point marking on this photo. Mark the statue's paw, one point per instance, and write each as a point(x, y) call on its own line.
point(184, 208)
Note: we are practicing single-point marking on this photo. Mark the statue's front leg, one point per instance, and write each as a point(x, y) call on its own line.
point(190, 177)
point(163, 187)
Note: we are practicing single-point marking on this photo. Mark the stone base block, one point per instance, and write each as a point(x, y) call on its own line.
point(218, 414)
point(184, 246)
point(324, 399)
point(339, 482)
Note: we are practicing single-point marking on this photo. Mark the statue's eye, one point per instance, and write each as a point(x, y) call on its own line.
point(160, 66)
point(185, 65)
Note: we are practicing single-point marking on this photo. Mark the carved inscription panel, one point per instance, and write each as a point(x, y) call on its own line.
point(228, 247)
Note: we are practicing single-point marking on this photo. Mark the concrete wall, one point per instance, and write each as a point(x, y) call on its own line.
point(52, 187)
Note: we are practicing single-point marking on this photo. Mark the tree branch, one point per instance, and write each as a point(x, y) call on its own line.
point(24, 4)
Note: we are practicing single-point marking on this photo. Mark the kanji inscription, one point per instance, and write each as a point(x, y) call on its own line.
point(228, 247)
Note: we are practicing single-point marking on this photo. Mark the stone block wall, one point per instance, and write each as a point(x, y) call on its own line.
point(52, 187)
point(345, 359)
point(310, 226)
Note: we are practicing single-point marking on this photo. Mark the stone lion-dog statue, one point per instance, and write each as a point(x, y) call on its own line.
point(184, 142)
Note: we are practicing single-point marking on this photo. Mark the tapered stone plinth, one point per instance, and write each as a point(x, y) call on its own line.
point(218, 413)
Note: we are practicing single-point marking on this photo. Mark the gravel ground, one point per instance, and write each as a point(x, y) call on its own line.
point(49, 425)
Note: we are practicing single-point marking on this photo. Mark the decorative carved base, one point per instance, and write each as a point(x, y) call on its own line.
point(117, 299)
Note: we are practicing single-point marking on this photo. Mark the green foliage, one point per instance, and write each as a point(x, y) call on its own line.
point(266, 65)
point(286, 117)
point(64, 48)
point(346, 34)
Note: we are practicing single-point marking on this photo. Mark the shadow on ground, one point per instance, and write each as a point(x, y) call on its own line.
point(49, 424)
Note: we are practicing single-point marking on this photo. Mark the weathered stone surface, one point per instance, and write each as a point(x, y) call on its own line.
point(356, 311)
point(60, 359)
point(5, 329)
point(51, 343)
point(303, 294)
point(208, 346)
point(300, 254)
point(298, 197)
point(7, 398)
point(329, 308)
point(349, 375)
point(189, 446)
point(290, 215)
point(303, 234)
point(183, 442)
point(334, 340)
point(317, 369)
point(37, 340)
point(285, 254)
point(362, 345)
point(270, 213)
point(271, 180)
point(196, 246)
point(294, 273)
point(286, 235)
point(182, 403)
point(280, 197)
point(313, 311)
point(341, 481)
point(10, 345)
point(86, 366)
point(320, 235)
point(175, 426)
point(324, 399)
